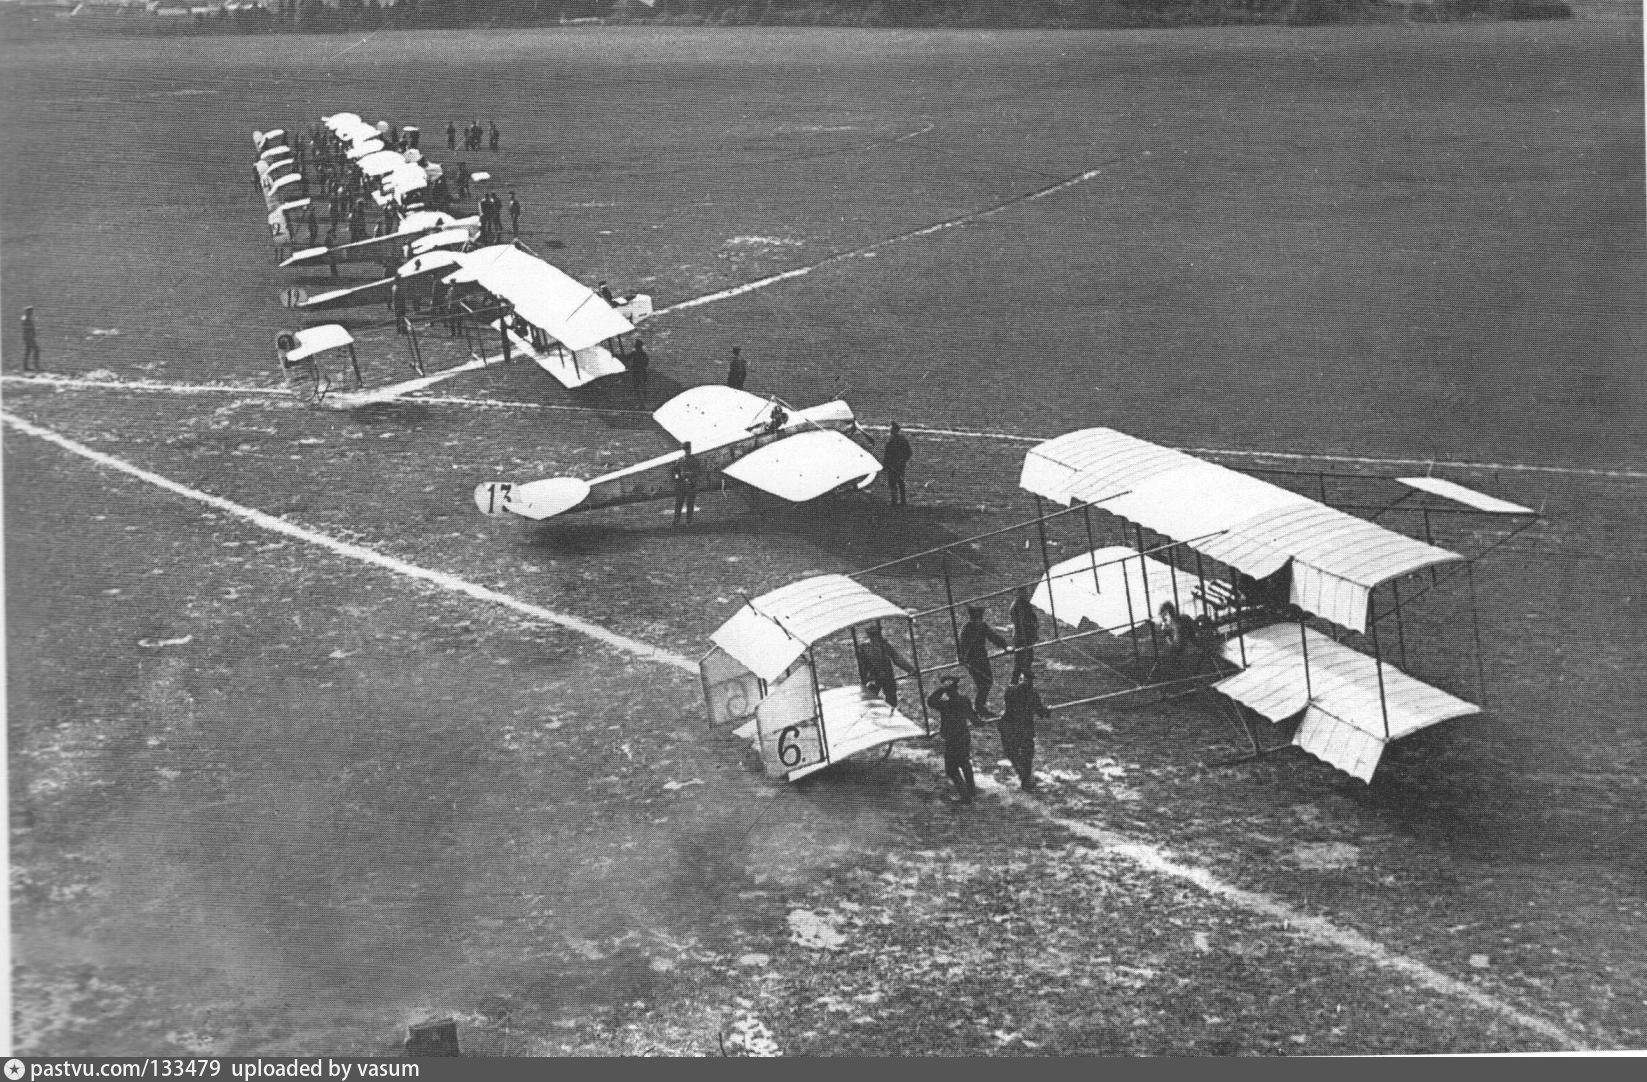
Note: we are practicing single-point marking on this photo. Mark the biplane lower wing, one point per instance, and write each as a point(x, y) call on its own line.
point(371, 293)
point(855, 721)
point(571, 368)
point(1352, 706)
point(1118, 589)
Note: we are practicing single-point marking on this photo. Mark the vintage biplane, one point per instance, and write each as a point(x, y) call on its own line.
point(419, 231)
point(546, 315)
point(796, 456)
point(1283, 590)
point(764, 676)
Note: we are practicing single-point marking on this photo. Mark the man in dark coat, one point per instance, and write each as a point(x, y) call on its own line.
point(895, 462)
point(738, 372)
point(495, 135)
point(451, 135)
point(31, 342)
point(1026, 632)
point(514, 214)
point(953, 712)
point(640, 370)
point(974, 654)
point(876, 659)
point(685, 476)
point(1017, 727)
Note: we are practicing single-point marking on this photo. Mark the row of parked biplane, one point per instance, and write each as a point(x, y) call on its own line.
point(433, 266)
point(539, 312)
point(1282, 596)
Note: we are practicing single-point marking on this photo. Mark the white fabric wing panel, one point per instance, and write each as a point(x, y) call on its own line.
point(1469, 497)
point(1338, 743)
point(805, 466)
point(1128, 592)
point(1051, 469)
point(548, 298)
point(711, 415)
point(318, 340)
point(772, 630)
point(854, 721)
point(1341, 681)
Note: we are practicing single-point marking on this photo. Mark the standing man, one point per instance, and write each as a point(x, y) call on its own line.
point(686, 484)
point(952, 710)
point(1026, 632)
point(331, 249)
point(495, 135)
point(514, 213)
point(876, 659)
point(313, 222)
point(484, 208)
point(895, 462)
point(463, 180)
point(738, 372)
point(451, 135)
point(31, 342)
point(640, 371)
point(1017, 727)
point(974, 654)
point(397, 300)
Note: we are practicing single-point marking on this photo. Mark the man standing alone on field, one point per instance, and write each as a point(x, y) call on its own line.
point(738, 372)
point(514, 213)
point(495, 135)
point(895, 462)
point(31, 342)
point(451, 135)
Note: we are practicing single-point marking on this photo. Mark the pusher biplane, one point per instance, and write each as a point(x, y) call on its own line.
point(1280, 563)
point(797, 456)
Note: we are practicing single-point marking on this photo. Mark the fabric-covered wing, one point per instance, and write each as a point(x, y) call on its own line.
point(711, 415)
point(805, 466)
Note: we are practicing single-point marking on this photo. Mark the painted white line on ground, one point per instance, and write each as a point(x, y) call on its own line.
point(150, 386)
point(1317, 929)
point(1141, 853)
point(361, 553)
point(877, 246)
point(958, 433)
point(354, 399)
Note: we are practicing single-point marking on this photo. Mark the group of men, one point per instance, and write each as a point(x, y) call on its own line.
point(878, 662)
point(491, 217)
point(473, 135)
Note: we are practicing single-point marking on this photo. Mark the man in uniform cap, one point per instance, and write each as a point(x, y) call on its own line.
point(974, 654)
point(953, 711)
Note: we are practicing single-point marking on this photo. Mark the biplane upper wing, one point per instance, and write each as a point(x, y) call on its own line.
point(545, 296)
point(806, 465)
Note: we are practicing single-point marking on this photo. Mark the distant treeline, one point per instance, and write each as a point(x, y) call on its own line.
point(314, 15)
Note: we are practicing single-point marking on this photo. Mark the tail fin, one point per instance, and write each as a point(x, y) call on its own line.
point(536, 500)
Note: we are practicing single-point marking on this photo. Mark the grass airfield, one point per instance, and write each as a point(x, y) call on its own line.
point(349, 801)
